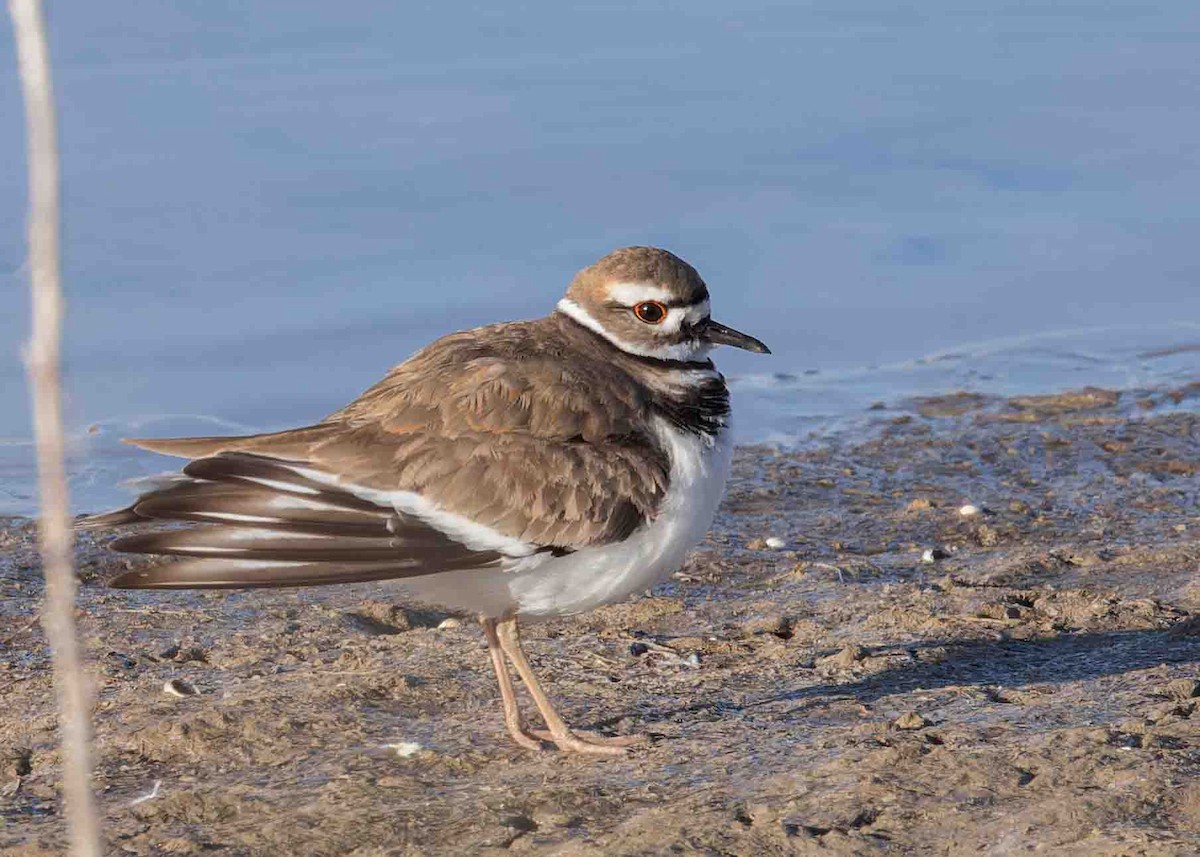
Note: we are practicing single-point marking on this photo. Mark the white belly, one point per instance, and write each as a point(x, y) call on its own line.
point(591, 577)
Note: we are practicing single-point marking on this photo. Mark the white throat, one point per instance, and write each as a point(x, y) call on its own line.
point(666, 351)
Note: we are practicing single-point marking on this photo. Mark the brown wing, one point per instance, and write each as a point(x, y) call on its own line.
point(496, 426)
point(508, 426)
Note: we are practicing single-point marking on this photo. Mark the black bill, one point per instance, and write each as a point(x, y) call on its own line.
point(719, 334)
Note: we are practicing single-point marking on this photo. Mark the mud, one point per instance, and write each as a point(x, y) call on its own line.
point(853, 664)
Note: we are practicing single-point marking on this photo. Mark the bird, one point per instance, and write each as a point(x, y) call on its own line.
point(518, 472)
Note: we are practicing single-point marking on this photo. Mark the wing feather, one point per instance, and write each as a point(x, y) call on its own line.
point(259, 522)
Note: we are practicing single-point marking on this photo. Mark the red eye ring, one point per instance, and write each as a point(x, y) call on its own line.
point(651, 312)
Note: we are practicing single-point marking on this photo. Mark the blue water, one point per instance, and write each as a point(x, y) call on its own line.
point(269, 203)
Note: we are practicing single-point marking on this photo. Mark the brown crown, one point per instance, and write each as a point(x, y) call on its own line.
point(649, 265)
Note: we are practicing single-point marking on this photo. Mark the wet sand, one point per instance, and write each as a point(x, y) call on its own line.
point(897, 678)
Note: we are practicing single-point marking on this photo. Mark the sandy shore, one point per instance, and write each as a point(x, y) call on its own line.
point(897, 678)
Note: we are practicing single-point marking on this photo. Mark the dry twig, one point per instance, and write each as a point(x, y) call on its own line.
point(54, 532)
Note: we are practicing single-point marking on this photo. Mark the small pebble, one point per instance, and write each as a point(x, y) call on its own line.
point(179, 687)
point(638, 649)
point(448, 623)
point(909, 721)
point(16, 762)
point(1172, 712)
point(1183, 688)
point(122, 661)
point(520, 823)
point(986, 536)
point(1186, 628)
point(775, 543)
point(783, 627)
point(968, 511)
point(846, 658)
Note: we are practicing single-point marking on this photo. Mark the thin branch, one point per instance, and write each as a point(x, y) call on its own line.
point(54, 532)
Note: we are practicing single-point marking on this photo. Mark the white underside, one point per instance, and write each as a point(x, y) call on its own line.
point(545, 586)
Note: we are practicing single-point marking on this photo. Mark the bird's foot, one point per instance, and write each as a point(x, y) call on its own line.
point(525, 738)
point(589, 742)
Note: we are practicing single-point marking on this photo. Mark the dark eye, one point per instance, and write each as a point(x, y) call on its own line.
point(651, 312)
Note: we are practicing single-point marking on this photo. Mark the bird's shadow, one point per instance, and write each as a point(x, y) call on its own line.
point(1010, 664)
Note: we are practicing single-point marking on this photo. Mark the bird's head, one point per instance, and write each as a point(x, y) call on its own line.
point(651, 303)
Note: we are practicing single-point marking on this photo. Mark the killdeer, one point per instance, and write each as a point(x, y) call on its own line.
point(517, 471)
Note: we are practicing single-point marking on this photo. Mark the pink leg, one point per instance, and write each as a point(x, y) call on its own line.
point(512, 712)
point(556, 729)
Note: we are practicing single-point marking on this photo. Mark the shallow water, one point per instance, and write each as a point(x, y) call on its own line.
point(267, 206)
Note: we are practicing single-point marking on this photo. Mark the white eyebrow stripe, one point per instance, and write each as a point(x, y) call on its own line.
point(634, 293)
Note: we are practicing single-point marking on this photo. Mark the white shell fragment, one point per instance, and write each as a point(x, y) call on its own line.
point(405, 749)
point(968, 511)
point(775, 543)
point(448, 623)
point(150, 795)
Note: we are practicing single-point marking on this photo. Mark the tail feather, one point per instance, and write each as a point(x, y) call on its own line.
point(291, 443)
point(253, 543)
point(223, 574)
point(108, 520)
point(184, 447)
